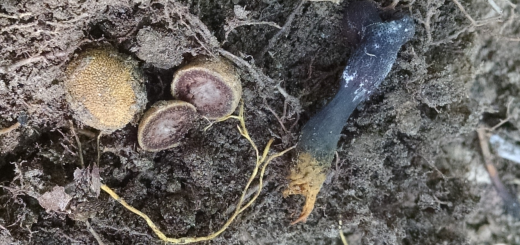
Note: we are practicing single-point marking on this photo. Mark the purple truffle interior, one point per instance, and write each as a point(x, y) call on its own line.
point(208, 93)
point(168, 127)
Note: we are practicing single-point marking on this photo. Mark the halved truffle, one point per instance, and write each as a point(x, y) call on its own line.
point(213, 86)
point(164, 125)
point(105, 89)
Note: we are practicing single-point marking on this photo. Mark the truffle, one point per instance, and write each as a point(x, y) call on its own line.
point(105, 89)
point(165, 124)
point(212, 86)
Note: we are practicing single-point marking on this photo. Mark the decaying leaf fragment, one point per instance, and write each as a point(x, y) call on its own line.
point(55, 200)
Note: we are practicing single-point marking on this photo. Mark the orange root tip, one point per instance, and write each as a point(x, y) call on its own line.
point(306, 179)
point(306, 210)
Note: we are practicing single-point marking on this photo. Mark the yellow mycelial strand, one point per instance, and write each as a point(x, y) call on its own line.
point(261, 164)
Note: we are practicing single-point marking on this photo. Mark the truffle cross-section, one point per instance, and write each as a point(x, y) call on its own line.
point(164, 125)
point(212, 86)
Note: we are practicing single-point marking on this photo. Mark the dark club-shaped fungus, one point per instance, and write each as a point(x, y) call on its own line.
point(105, 89)
point(369, 64)
point(212, 86)
point(164, 125)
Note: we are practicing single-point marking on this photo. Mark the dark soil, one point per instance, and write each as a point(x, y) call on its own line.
point(409, 169)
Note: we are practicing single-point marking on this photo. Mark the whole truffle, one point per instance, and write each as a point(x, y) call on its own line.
point(213, 86)
point(164, 125)
point(105, 89)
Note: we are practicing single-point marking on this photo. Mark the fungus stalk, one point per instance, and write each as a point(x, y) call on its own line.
point(367, 67)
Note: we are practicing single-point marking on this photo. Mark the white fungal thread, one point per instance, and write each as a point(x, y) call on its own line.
point(369, 54)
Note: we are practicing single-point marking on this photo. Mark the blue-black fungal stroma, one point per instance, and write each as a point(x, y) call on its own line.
point(369, 64)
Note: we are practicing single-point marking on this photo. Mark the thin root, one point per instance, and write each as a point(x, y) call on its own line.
point(261, 164)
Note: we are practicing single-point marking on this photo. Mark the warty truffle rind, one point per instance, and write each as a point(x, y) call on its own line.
point(105, 89)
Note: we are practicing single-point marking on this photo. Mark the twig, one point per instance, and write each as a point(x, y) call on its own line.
point(508, 116)
point(275, 115)
point(392, 5)
point(20, 16)
point(510, 3)
point(5, 229)
point(30, 60)
point(195, 25)
point(87, 133)
point(451, 37)
point(10, 128)
point(67, 149)
point(341, 235)
point(495, 7)
point(234, 24)
point(510, 202)
point(284, 115)
point(426, 21)
point(508, 22)
point(473, 22)
point(295, 121)
point(94, 233)
point(433, 166)
point(295, 102)
point(258, 76)
point(79, 144)
point(19, 27)
point(512, 39)
point(463, 10)
point(97, 144)
point(284, 28)
point(20, 63)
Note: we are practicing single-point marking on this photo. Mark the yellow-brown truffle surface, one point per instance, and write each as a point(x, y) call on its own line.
point(105, 89)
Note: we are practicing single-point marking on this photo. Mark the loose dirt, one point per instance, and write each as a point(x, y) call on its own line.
point(409, 168)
